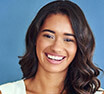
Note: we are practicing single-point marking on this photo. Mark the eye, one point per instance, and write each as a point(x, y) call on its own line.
point(68, 40)
point(48, 36)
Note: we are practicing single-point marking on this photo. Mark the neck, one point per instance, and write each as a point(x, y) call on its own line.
point(47, 82)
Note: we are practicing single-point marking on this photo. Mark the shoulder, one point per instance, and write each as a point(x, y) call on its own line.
point(100, 91)
point(10, 88)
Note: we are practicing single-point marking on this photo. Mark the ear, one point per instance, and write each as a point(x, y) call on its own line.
point(103, 92)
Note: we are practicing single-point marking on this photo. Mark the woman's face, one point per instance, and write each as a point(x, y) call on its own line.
point(56, 45)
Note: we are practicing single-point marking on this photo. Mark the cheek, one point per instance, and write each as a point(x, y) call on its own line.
point(39, 45)
point(72, 50)
point(40, 48)
point(42, 44)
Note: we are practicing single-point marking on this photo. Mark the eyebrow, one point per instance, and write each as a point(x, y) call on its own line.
point(51, 31)
point(68, 34)
point(47, 30)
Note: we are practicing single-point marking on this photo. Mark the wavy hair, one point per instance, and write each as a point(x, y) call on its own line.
point(82, 74)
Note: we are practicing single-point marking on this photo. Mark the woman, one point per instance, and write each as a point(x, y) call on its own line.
point(59, 50)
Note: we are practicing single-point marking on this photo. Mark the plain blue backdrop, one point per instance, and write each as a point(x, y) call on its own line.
point(15, 17)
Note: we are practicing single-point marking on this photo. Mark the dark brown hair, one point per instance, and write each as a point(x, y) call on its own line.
point(82, 74)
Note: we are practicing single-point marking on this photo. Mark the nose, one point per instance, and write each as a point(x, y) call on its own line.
point(57, 46)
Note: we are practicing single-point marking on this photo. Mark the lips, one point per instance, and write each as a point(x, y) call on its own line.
point(54, 59)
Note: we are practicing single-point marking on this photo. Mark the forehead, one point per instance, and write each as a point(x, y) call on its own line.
point(58, 22)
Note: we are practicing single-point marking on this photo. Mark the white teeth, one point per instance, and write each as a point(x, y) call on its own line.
point(55, 57)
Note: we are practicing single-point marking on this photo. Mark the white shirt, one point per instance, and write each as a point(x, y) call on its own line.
point(18, 87)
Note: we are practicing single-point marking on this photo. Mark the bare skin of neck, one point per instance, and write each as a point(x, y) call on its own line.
point(45, 82)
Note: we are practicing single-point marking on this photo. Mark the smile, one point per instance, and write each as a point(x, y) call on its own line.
point(55, 59)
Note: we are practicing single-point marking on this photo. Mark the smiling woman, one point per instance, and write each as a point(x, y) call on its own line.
point(56, 49)
point(59, 50)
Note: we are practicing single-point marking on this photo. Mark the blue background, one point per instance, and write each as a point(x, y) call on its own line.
point(15, 17)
